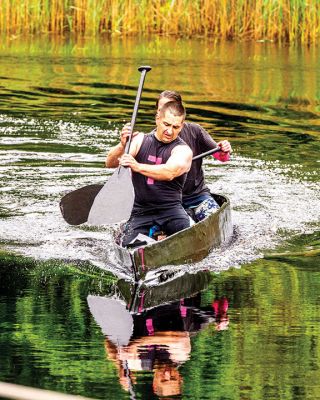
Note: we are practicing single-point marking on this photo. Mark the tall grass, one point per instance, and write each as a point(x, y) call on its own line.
point(278, 20)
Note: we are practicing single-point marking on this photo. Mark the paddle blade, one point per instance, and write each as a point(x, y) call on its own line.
point(113, 318)
point(115, 200)
point(75, 206)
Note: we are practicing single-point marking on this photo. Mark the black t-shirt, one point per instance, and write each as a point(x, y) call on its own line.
point(151, 194)
point(200, 141)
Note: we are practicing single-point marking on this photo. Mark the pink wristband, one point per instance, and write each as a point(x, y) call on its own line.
point(221, 156)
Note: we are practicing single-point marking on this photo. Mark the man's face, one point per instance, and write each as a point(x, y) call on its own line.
point(168, 126)
point(167, 381)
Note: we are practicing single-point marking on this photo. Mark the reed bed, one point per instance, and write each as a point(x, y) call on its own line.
point(276, 20)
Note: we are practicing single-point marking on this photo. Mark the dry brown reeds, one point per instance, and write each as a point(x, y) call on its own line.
point(281, 20)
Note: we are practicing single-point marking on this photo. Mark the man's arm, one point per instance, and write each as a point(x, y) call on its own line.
point(112, 160)
point(206, 143)
point(178, 163)
point(224, 145)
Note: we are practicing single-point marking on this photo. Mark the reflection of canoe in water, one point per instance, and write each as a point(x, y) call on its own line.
point(124, 317)
point(150, 329)
point(142, 296)
point(184, 247)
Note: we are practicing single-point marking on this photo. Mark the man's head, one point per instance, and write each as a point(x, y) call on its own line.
point(170, 120)
point(167, 381)
point(165, 97)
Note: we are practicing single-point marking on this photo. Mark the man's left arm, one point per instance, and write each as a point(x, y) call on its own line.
point(178, 163)
point(207, 143)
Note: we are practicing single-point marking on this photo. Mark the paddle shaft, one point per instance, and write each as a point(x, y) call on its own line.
point(207, 153)
point(114, 201)
point(143, 69)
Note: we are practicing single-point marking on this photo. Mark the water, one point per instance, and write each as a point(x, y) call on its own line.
point(62, 104)
point(251, 333)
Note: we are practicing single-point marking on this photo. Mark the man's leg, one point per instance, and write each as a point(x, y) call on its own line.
point(174, 220)
point(136, 224)
point(205, 208)
point(200, 206)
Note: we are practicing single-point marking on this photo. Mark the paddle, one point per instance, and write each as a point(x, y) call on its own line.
point(114, 319)
point(113, 203)
point(116, 323)
point(75, 206)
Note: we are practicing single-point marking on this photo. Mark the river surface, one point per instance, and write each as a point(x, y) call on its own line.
point(62, 105)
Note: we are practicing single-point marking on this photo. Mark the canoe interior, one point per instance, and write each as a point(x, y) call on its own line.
point(187, 246)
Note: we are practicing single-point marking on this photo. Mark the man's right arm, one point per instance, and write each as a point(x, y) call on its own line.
point(116, 152)
point(112, 160)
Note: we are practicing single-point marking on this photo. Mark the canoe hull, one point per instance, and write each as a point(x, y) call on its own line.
point(187, 246)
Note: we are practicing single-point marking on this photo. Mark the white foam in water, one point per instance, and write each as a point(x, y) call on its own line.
point(269, 201)
point(266, 208)
point(56, 132)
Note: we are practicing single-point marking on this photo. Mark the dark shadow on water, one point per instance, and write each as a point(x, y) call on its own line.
point(59, 91)
point(228, 105)
point(101, 85)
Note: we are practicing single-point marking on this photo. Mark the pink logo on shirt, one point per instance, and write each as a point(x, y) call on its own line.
point(157, 161)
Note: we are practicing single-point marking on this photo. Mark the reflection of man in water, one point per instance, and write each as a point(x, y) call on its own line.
point(161, 353)
point(167, 381)
point(220, 307)
point(161, 342)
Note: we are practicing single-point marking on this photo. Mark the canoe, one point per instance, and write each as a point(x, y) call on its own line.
point(184, 247)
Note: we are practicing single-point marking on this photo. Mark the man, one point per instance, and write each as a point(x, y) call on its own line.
point(159, 163)
point(196, 195)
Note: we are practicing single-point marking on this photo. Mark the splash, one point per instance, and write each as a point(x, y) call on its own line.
point(270, 201)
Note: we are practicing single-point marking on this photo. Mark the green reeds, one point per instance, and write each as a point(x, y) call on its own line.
point(276, 20)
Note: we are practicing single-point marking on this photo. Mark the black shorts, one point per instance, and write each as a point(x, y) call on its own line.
point(169, 221)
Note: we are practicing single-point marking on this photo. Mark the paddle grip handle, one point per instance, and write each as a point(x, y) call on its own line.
point(207, 153)
point(143, 69)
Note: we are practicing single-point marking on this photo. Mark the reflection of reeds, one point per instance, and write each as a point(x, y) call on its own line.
point(281, 20)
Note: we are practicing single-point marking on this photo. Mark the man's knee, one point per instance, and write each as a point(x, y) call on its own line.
point(177, 224)
point(128, 235)
point(132, 229)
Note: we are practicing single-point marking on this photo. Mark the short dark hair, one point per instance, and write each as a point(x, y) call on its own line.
point(169, 94)
point(175, 107)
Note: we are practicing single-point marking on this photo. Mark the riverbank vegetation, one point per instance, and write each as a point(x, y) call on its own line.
point(262, 20)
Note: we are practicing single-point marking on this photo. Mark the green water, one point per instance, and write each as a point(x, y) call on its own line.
point(62, 104)
point(269, 349)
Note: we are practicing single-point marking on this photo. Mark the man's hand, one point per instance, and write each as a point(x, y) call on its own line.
point(114, 154)
point(125, 133)
point(225, 146)
point(126, 160)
